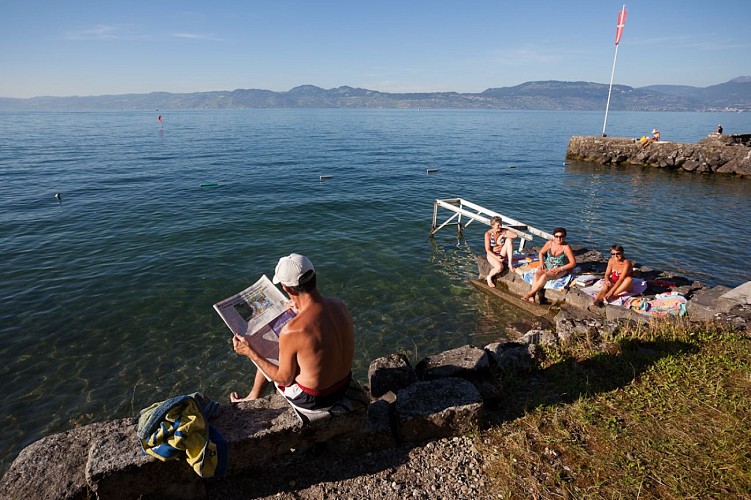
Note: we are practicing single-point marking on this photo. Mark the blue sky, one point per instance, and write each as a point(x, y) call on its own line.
point(72, 47)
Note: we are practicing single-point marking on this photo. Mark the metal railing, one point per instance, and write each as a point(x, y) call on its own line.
point(462, 208)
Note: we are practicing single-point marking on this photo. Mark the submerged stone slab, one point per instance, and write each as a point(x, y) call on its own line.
point(437, 408)
point(390, 373)
point(465, 362)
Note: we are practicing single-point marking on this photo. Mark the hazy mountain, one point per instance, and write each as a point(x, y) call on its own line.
point(543, 95)
point(735, 93)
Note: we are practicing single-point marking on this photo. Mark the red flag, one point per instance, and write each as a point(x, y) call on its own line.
point(621, 24)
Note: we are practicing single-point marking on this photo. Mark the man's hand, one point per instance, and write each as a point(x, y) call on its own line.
point(241, 346)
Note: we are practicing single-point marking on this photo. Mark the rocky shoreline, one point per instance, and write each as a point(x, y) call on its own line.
point(418, 437)
point(716, 154)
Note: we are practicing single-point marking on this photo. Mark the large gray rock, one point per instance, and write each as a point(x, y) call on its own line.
point(117, 467)
point(437, 408)
point(53, 467)
point(390, 373)
point(106, 459)
point(704, 303)
point(740, 295)
point(468, 362)
point(512, 357)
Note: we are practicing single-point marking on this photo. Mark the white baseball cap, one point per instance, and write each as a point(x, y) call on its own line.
point(291, 268)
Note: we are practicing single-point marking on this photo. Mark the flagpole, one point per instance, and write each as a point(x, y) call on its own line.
point(610, 90)
point(618, 33)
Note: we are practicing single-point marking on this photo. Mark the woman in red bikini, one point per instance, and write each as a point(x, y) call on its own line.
point(618, 277)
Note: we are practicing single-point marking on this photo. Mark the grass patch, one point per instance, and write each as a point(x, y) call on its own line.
point(659, 411)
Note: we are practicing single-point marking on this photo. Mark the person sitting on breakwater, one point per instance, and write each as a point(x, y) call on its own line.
point(719, 129)
point(655, 138)
point(618, 277)
point(556, 259)
point(498, 245)
point(316, 347)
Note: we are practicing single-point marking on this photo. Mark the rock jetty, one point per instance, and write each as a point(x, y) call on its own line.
point(717, 153)
point(703, 303)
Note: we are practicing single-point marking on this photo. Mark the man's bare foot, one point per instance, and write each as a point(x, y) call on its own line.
point(235, 397)
point(489, 279)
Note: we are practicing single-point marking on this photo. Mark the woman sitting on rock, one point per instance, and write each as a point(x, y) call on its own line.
point(556, 259)
point(618, 277)
point(498, 245)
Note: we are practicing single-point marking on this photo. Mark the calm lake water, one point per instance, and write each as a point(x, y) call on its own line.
point(105, 304)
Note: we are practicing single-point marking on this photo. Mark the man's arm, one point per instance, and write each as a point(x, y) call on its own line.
point(285, 373)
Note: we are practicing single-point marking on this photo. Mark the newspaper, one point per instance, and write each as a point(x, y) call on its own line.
point(258, 313)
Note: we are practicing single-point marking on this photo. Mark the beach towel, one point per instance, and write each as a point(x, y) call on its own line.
point(663, 304)
point(527, 272)
point(177, 428)
point(638, 288)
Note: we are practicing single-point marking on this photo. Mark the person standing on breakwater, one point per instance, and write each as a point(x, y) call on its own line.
point(719, 129)
point(556, 259)
point(498, 244)
point(316, 347)
point(618, 277)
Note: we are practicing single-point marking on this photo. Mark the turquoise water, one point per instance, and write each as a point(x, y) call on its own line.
point(105, 305)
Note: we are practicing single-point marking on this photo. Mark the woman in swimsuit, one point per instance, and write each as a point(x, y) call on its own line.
point(618, 277)
point(498, 245)
point(556, 259)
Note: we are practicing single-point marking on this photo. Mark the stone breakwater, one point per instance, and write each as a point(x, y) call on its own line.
point(717, 153)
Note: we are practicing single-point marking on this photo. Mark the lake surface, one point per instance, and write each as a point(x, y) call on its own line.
point(106, 297)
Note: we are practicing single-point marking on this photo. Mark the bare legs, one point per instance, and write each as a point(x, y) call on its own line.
point(497, 266)
point(542, 276)
point(608, 292)
point(259, 384)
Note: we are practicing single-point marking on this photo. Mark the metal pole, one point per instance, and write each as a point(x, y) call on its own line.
point(607, 106)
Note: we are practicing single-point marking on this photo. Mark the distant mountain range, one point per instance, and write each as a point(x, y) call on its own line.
point(734, 95)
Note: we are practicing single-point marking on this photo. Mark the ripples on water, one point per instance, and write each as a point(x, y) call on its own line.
point(106, 297)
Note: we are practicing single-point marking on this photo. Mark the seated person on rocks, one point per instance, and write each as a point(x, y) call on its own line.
point(618, 277)
point(316, 347)
point(556, 259)
point(498, 244)
point(655, 138)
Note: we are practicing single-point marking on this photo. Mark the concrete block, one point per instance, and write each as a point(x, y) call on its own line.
point(436, 409)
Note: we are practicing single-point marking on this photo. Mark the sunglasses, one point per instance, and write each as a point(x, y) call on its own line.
point(559, 236)
point(616, 253)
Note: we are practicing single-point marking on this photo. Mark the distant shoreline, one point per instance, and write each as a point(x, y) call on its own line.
point(551, 95)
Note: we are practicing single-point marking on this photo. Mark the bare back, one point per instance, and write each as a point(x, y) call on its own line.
point(320, 339)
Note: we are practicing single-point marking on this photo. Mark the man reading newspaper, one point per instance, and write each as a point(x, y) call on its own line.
point(315, 347)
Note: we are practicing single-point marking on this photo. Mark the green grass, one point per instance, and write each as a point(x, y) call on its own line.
point(661, 411)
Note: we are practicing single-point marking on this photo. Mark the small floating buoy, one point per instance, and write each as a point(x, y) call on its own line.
point(209, 184)
point(326, 177)
point(431, 170)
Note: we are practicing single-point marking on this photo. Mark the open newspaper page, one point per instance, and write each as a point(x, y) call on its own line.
point(258, 313)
